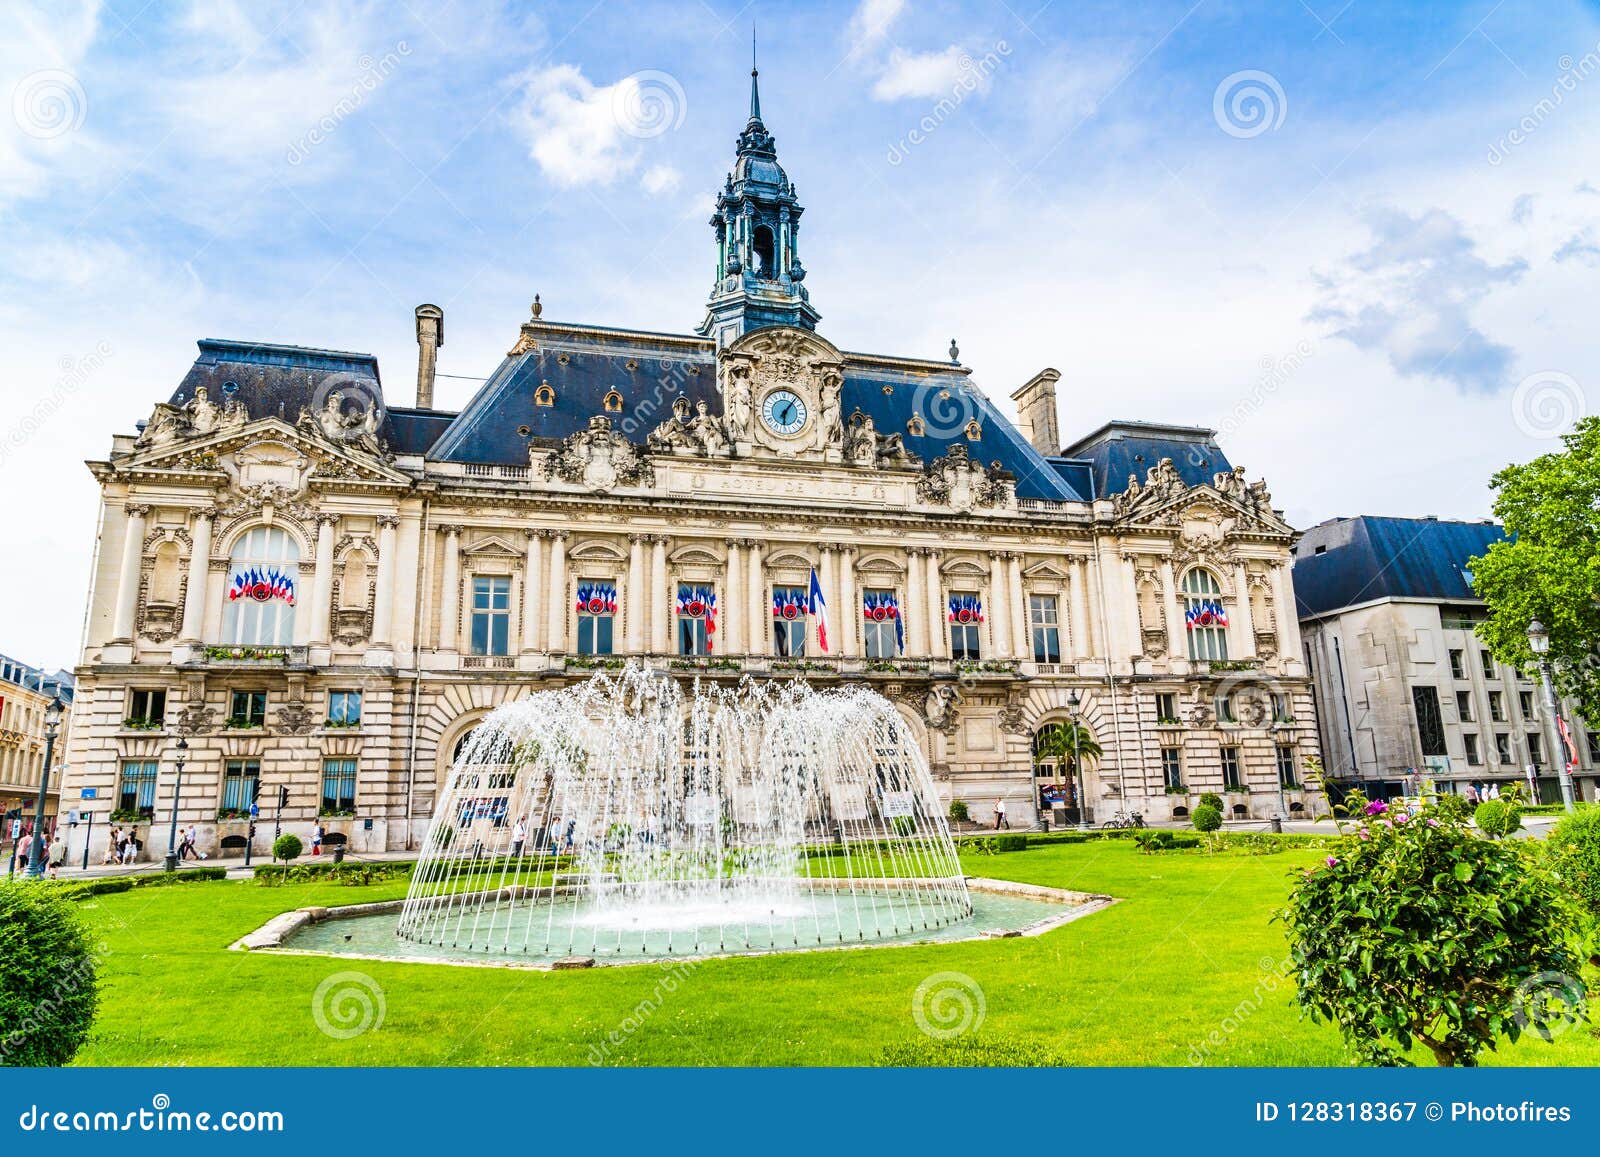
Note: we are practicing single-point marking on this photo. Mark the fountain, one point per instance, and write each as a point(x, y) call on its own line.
point(765, 817)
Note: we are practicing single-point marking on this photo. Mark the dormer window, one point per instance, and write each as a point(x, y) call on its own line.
point(974, 431)
point(613, 403)
point(915, 427)
point(544, 395)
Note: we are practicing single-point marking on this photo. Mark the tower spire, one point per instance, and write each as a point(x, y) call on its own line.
point(755, 91)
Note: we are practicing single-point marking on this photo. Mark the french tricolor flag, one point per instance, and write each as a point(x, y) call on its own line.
point(818, 606)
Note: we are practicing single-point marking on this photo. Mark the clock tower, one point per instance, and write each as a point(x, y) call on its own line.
point(760, 280)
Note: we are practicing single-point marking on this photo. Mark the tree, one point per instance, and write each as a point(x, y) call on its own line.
point(286, 847)
point(1418, 931)
point(1207, 818)
point(1548, 568)
point(48, 980)
point(1069, 743)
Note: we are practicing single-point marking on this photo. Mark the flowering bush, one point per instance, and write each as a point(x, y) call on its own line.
point(1415, 930)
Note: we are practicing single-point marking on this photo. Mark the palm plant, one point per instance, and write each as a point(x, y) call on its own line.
point(1069, 743)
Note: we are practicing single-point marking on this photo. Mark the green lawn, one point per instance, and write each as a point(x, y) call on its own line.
point(1188, 953)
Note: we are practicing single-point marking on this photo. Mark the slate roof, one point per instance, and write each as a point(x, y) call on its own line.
point(1348, 561)
point(36, 678)
point(1121, 448)
point(583, 365)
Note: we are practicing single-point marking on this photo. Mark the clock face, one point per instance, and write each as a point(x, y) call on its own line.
point(784, 412)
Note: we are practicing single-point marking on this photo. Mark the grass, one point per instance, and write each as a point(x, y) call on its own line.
point(1182, 969)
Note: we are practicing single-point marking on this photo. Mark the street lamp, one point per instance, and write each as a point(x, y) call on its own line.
point(52, 720)
point(1077, 773)
point(1539, 643)
point(177, 794)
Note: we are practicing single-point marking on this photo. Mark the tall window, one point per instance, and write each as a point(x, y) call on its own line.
point(1487, 661)
point(263, 589)
point(789, 620)
point(1497, 706)
point(1464, 706)
point(697, 616)
point(1204, 616)
point(136, 790)
point(1225, 712)
point(241, 781)
point(597, 613)
point(1045, 623)
point(1430, 723)
point(1172, 766)
point(338, 785)
point(344, 708)
point(1474, 753)
point(1502, 747)
point(882, 627)
point(966, 625)
point(1525, 701)
point(1535, 749)
point(1231, 775)
point(491, 615)
point(1287, 775)
point(247, 708)
point(1458, 665)
point(1166, 707)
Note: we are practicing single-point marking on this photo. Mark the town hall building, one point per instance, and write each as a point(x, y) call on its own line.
point(314, 588)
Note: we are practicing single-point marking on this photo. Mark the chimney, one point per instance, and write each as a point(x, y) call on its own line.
point(1036, 411)
point(430, 336)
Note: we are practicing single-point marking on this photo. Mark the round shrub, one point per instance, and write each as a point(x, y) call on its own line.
point(1207, 818)
point(1496, 818)
point(1211, 799)
point(1574, 847)
point(1417, 931)
point(48, 985)
point(286, 847)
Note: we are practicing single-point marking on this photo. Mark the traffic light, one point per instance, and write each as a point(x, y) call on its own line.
point(283, 796)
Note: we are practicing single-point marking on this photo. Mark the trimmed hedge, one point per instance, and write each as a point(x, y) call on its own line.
point(106, 885)
point(1574, 847)
point(49, 986)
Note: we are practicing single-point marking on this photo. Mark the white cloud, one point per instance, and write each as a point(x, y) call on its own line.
point(660, 179)
point(1579, 247)
point(48, 108)
point(580, 133)
point(1410, 296)
point(922, 74)
point(870, 23)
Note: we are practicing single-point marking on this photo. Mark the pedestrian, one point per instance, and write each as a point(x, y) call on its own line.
point(519, 835)
point(1000, 820)
point(555, 835)
point(130, 847)
point(191, 842)
point(316, 839)
point(1494, 791)
point(58, 854)
point(113, 842)
point(572, 828)
point(1472, 796)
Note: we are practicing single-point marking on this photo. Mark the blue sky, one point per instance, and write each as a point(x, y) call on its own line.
point(1372, 271)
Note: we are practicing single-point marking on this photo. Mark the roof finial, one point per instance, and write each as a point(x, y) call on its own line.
point(955, 352)
point(755, 93)
point(537, 308)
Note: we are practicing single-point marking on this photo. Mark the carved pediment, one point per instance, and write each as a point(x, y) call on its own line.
point(262, 453)
point(964, 484)
point(1164, 499)
point(783, 357)
point(600, 458)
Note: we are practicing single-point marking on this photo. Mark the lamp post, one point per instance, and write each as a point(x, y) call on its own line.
point(1077, 772)
point(52, 720)
point(1539, 643)
point(177, 794)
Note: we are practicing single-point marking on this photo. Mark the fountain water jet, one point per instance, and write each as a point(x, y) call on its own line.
point(657, 823)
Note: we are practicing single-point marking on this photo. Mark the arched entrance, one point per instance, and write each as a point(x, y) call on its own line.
point(1066, 774)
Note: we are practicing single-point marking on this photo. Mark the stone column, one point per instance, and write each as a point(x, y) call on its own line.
point(1022, 645)
point(999, 614)
point(194, 595)
point(636, 600)
point(1177, 629)
point(322, 581)
point(128, 575)
point(1078, 599)
point(383, 597)
point(532, 579)
point(938, 618)
point(450, 590)
point(848, 621)
point(914, 606)
point(1242, 621)
point(756, 598)
point(556, 594)
point(660, 598)
point(1286, 614)
point(731, 623)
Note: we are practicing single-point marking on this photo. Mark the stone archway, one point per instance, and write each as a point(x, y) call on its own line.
point(1055, 785)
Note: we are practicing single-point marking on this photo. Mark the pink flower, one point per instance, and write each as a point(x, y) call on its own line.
point(1364, 834)
point(1433, 823)
point(1386, 823)
point(1400, 817)
point(1333, 861)
point(1377, 807)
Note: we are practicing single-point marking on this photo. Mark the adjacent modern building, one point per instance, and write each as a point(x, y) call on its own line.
point(320, 590)
point(25, 692)
point(1404, 687)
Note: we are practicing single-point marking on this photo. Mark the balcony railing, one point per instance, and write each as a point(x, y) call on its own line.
point(228, 655)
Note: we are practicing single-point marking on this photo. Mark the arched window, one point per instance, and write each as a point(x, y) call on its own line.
point(545, 395)
point(263, 589)
point(764, 251)
point(1204, 616)
point(613, 403)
